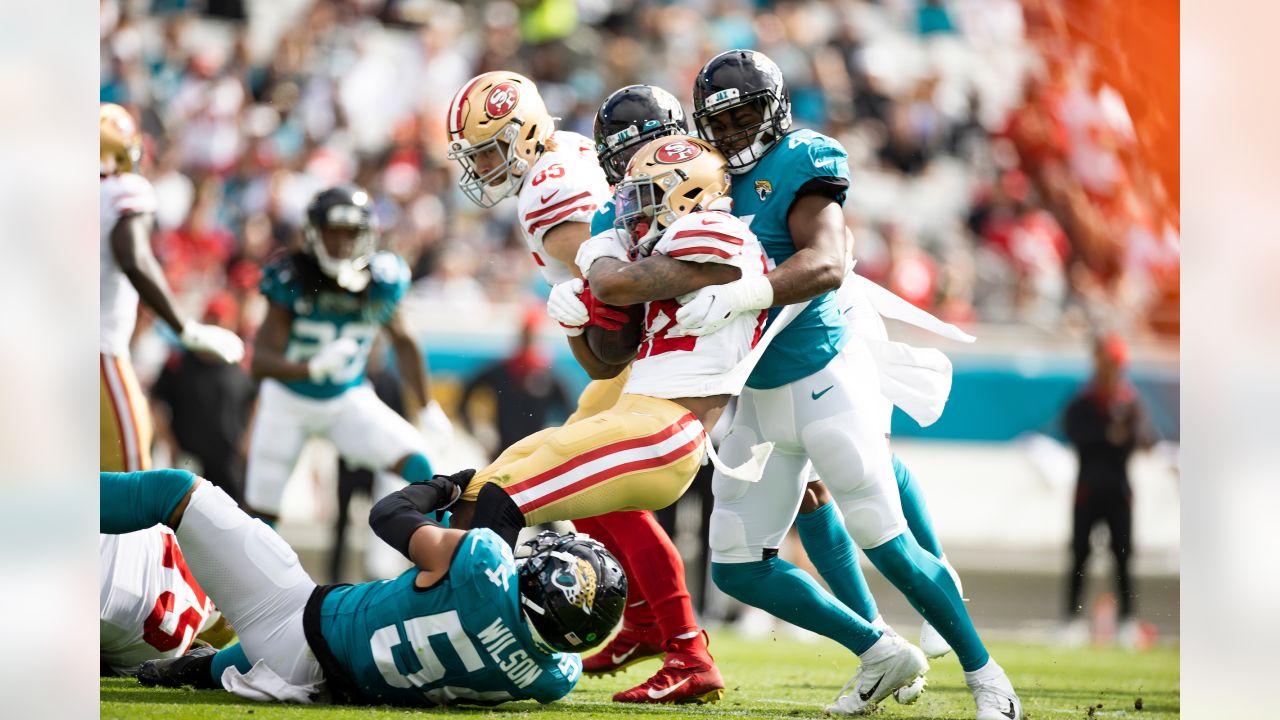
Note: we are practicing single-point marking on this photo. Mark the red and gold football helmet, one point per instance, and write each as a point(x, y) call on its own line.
point(119, 140)
point(498, 127)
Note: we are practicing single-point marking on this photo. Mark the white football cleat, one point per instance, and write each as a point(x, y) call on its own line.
point(995, 697)
point(908, 694)
point(931, 641)
point(897, 664)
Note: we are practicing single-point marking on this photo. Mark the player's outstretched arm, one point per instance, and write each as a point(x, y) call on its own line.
point(268, 348)
point(412, 366)
point(816, 223)
point(656, 277)
point(131, 246)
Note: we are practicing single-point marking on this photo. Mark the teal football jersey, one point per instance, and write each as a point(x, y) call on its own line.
point(464, 639)
point(762, 197)
point(324, 312)
point(604, 217)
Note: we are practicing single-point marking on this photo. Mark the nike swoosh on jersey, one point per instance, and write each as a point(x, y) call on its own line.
point(867, 695)
point(824, 163)
point(619, 659)
point(545, 199)
point(819, 393)
point(712, 221)
point(659, 694)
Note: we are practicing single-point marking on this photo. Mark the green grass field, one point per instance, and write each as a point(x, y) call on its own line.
point(766, 679)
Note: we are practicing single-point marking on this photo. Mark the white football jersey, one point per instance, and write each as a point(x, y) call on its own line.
point(564, 185)
point(150, 605)
point(671, 367)
point(121, 195)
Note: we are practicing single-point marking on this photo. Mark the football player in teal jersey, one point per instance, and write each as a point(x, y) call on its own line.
point(815, 399)
point(469, 623)
point(635, 115)
point(327, 304)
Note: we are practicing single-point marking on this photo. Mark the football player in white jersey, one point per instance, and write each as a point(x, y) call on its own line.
point(150, 605)
point(129, 271)
point(507, 144)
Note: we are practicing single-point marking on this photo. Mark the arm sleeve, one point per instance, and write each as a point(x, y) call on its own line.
point(704, 237)
point(824, 169)
point(278, 283)
point(570, 194)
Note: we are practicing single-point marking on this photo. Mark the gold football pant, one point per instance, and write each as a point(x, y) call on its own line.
point(124, 420)
point(640, 454)
point(596, 397)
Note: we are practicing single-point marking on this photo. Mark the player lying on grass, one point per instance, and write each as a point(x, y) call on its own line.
point(468, 624)
point(150, 606)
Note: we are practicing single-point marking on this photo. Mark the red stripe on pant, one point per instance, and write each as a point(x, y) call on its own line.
point(649, 463)
point(600, 452)
point(126, 421)
point(655, 571)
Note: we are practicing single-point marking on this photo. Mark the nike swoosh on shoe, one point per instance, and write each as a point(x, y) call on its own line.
point(619, 659)
point(866, 696)
point(659, 694)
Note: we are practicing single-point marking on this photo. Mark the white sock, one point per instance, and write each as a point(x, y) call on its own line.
point(984, 674)
point(880, 649)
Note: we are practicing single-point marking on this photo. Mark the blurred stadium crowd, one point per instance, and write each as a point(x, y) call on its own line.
point(1006, 162)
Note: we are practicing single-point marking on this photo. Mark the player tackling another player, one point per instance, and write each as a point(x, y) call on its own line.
point(506, 143)
point(468, 623)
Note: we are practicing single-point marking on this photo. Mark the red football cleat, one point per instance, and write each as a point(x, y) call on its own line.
point(684, 678)
point(628, 647)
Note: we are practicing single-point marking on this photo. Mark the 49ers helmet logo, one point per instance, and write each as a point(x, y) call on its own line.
point(677, 152)
point(502, 100)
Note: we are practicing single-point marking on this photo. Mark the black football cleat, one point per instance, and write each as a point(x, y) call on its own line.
point(191, 670)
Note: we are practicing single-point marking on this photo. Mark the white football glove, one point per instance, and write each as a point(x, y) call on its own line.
point(714, 306)
point(332, 359)
point(217, 341)
point(565, 307)
point(607, 244)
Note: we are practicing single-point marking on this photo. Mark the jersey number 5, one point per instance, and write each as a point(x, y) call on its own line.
point(416, 638)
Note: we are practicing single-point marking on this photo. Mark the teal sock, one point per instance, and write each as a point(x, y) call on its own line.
point(831, 550)
point(416, 468)
point(929, 588)
point(787, 592)
point(915, 510)
point(138, 500)
point(228, 656)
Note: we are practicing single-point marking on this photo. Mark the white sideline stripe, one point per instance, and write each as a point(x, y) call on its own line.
point(125, 419)
point(688, 434)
